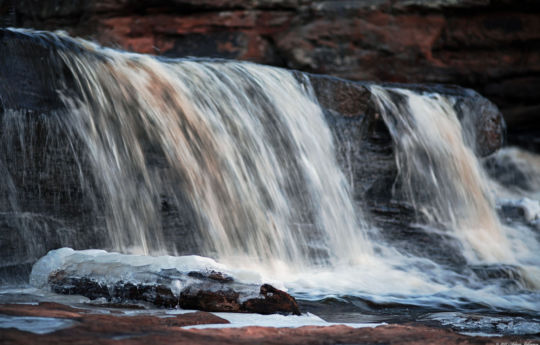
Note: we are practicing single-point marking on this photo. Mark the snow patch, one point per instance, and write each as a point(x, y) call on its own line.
point(276, 320)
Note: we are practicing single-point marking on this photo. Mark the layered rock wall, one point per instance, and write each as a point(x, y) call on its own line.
point(492, 46)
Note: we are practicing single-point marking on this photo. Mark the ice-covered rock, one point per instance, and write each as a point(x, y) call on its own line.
point(189, 282)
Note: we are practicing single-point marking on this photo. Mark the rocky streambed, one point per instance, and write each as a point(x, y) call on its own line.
point(75, 325)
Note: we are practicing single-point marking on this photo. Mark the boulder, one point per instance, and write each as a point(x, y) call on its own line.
point(206, 296)
point(123, 278)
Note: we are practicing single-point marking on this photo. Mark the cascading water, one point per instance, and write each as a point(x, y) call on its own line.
point(442, 177)
point(446, 184)
point(247, 144)
point(247, 150)
point(439, 175)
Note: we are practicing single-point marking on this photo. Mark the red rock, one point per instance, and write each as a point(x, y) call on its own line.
point(161, 33)
point(146, 329)
point(44, 309)
point(270, 301)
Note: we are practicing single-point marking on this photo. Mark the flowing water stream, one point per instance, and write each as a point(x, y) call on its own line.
point(247, 150)
point(247, 145)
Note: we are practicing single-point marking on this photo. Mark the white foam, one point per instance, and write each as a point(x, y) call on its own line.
point(530, 207)
point(481, 334)
point(485, 325)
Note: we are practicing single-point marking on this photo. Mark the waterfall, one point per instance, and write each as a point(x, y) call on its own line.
point(446, 183)
point(442, 177)
point(246, 145)
point(238, 160)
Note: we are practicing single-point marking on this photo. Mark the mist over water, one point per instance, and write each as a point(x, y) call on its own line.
point(247, 148)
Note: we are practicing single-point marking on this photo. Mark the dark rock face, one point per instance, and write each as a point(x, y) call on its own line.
point(488, 45)
point(49, 189)
point(353, 100)
point(39, 163)
point(201, 293)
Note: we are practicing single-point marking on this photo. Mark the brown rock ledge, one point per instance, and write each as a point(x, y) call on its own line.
point(146, 329)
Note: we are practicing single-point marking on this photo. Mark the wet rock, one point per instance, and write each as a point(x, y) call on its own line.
point(272, 299)
point(173, 289)
point(496, 272)
point(90, 328)
point(353, 99)
point(269, 301)
point(44, 309)
point(218, 276)
point(196, 297)
point(107, 325)
point(515, 169)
